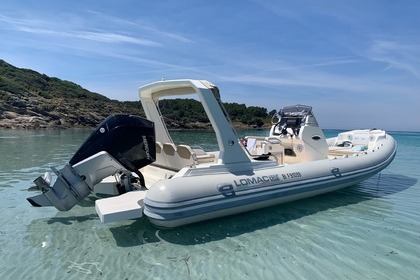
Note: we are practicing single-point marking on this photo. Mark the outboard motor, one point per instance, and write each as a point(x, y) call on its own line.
point(120, 144)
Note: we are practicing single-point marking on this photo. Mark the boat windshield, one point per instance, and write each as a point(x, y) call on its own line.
point(296, 111)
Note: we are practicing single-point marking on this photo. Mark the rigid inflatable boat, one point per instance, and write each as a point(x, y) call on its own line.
point(135, 161)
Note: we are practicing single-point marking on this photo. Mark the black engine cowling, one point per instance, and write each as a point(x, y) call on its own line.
point(129, 139)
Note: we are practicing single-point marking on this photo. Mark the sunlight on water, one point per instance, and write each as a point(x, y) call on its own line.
point(368, 231)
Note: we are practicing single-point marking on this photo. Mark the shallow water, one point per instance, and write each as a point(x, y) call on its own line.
point(368, 231)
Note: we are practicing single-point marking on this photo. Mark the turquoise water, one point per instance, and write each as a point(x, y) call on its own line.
point(368, 231)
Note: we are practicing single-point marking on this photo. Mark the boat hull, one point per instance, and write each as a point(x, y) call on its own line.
point(201, 194)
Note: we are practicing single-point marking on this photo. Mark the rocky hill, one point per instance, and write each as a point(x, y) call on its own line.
point(29, 99)
point(32, 100)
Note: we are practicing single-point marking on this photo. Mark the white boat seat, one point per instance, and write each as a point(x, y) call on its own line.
point(186, 156)
point(172, 159)
point(160, 158)
point(158, 147)
point(202, 156)
point(190, 156)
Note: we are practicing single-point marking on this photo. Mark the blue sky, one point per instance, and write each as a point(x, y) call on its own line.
point(356, 62)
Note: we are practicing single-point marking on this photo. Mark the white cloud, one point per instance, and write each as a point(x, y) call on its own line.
point(396, 54)
point(58, 30)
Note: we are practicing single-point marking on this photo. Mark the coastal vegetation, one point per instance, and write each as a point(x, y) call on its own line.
point(29, 99)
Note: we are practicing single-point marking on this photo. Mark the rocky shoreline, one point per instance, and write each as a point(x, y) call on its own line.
point(31, 100)
point(33, 113)
point(13, 121)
